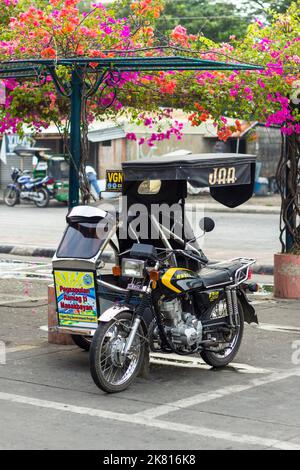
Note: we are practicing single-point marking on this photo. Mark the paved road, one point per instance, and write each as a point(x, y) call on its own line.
point(235, 234)
point(254, 235)
point(49, 401)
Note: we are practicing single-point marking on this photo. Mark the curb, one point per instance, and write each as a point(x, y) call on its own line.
point(208, 207)
point(49, 253)
point(27, 251)
point(263, 269)
point(256, 268)
point(20, 250)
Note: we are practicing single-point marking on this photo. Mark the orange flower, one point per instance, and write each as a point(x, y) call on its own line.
point(203, 117)
point(48, 53)
point(199, 107)
point(68, 28)
point(224, 133)
point(238, 126)
point(80, 50)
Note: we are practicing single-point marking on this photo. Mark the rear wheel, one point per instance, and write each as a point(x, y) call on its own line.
point(221, 355)
point(44, 198)
point(11, 197)
point(83, 342)
point(111, 371)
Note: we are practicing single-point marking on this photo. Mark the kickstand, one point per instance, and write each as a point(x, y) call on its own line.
point(144, 372)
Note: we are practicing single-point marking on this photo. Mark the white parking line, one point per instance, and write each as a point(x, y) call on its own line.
point(153, 423)
point(278, 328)
point(219, 393)
point(196, 362)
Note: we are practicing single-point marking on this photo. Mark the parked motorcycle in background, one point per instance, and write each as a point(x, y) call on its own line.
point(25, 188)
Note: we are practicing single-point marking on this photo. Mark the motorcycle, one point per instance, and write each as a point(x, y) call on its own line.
point(25, 188)
point(162, 295)
point(190, 313)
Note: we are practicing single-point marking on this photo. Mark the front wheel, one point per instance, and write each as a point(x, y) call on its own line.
point(229, 343)
point(44, 198)
point(11, 197)
point(111, 370)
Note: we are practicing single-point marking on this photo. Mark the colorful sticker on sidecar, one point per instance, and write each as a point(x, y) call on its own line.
point(76, 298)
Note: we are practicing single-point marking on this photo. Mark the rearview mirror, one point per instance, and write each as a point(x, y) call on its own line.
point(207, 224)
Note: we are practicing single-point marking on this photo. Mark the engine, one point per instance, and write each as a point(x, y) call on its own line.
point(183, 328)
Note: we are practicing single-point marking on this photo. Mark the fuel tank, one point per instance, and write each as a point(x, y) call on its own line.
point(179, 280)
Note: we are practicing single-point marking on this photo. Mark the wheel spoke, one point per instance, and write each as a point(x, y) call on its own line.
point(225, 346)
point(114, 371)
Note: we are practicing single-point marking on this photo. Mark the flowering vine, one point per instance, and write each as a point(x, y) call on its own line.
point(60, 29)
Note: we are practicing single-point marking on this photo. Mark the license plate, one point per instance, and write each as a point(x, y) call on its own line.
point(136, 287)
point(76, 298)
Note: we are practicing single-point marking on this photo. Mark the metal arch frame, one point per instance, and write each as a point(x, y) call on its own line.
point(35, 68)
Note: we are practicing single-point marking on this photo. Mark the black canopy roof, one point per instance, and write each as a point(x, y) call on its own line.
point(201, 170)
point(229, 176)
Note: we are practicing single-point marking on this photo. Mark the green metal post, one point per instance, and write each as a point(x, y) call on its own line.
point(75, 137)
point(289, 239)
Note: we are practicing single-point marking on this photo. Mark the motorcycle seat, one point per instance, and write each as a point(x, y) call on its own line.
point(219, 274)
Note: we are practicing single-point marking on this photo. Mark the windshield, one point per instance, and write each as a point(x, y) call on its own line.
point(81, 240)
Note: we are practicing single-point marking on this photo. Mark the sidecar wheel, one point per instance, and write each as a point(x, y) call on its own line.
point(83, 342)
point(215, 357)
point(109, 373)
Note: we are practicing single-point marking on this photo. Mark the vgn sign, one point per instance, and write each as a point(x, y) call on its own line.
point(114, 180)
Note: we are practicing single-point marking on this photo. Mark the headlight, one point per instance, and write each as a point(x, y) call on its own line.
point(133, 267)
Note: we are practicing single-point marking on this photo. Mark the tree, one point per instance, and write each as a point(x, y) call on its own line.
point(265, 8)
point(216, 21)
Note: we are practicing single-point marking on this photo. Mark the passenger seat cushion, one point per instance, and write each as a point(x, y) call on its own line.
point(221, 273)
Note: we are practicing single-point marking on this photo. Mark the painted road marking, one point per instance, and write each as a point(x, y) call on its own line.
point(22, 275)
point(22, 347)
point(153, 423)
point(264, 300)
point(193, 362)
point(20, 270)
point(278, 328)
point(204, 397)
point(196, 362)
point(26, 265)
point(24, 299)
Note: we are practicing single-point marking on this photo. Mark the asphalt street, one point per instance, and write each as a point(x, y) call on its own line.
point(235, 234)
point(49, 401)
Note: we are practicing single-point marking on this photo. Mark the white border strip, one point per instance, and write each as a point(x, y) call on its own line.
point(164, 425)
point(214, 395)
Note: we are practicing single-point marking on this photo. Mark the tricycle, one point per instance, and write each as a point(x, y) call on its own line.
point(162, 294)
point(56, 167)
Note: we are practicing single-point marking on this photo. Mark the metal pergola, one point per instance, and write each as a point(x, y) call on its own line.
point(101, 68)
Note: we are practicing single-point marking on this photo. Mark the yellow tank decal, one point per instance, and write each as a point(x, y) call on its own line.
point(166, 278)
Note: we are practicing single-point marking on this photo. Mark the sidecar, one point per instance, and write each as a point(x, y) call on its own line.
point(151, 209)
